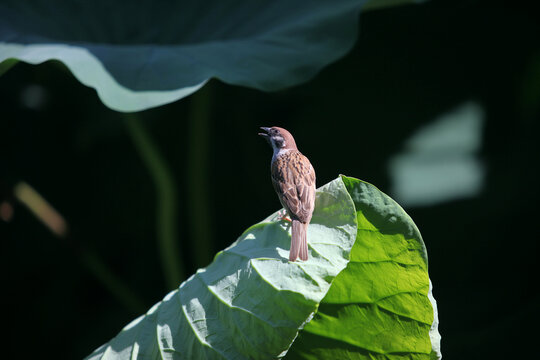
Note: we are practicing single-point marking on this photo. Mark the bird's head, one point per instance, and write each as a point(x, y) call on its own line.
point(278, 138)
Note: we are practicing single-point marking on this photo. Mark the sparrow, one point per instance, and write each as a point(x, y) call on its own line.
point(293, 178)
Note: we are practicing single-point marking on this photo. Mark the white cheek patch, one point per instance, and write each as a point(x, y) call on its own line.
point(282, 151)
point(278, 142)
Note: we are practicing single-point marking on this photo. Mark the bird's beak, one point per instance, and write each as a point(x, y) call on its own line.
point(265, 134)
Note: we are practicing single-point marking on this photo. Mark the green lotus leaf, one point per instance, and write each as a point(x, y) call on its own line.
point(146, 53)
point(252, 303)
point(381, 305)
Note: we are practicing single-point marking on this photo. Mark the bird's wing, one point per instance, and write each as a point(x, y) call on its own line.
point(293, 178)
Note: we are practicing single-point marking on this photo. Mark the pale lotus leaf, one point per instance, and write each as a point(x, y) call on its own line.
point(146, 53)
point(251, 301)
point(364, 293)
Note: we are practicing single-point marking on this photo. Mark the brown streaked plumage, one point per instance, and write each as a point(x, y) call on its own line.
point(293, 178)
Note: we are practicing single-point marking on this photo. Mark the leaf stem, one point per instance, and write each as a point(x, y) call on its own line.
point(197, 176)
point(166, 211)
point(7, 64)
point(112, 283)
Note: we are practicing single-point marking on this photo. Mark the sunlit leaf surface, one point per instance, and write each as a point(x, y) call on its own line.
point(380, 306)
point(251, 302)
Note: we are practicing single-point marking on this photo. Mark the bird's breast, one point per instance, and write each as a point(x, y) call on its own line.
point(290, 166)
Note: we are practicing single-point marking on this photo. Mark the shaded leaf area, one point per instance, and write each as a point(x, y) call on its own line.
point(250, 302)
point(152, 55)
point(378, 307)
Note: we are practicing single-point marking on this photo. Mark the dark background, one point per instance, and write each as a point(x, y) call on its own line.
point(411, 64)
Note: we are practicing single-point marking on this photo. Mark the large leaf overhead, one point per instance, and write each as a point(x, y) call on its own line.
point(251, 302)
point(145, 53)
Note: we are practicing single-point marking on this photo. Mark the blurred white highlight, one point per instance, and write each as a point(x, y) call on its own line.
point(440, 161)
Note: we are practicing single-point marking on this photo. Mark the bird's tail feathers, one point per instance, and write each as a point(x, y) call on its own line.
point(299, 246)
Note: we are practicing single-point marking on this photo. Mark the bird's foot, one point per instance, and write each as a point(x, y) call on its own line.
point(282, 216)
